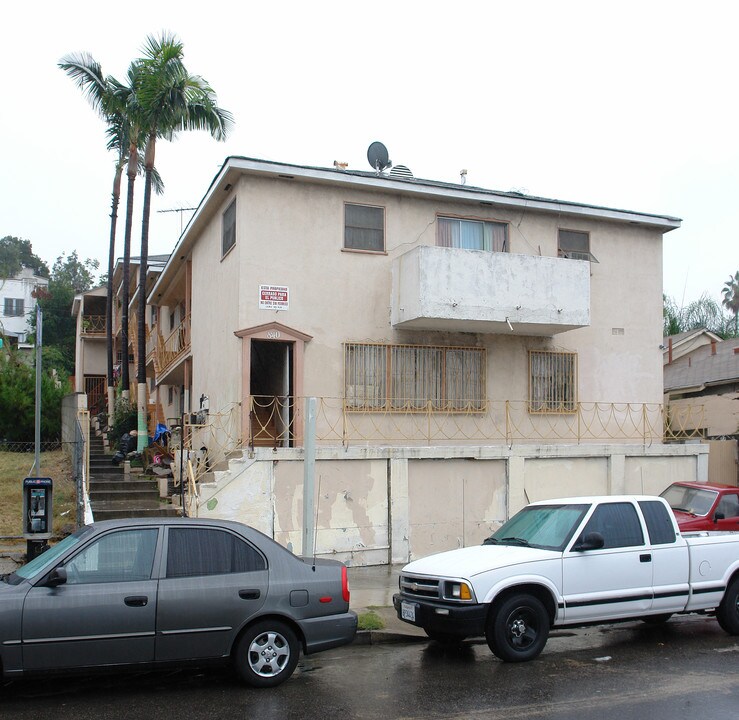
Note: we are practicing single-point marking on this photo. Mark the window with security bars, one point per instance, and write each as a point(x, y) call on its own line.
point(379, 377)
point(552, 382)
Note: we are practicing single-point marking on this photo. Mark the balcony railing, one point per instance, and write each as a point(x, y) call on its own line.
point(175, 346)
point(271, 421)
point(93, 324)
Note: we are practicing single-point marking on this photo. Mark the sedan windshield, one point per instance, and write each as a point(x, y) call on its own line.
point(44, 561)
point(684, 498)
point(549, 527)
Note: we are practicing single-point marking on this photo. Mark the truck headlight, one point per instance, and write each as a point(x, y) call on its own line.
point(459, 591)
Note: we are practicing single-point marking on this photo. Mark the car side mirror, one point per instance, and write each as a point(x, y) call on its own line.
point(591, 541)
point(58, 576)
point(718, 516)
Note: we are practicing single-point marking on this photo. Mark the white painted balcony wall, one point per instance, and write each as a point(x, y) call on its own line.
point(437, 288)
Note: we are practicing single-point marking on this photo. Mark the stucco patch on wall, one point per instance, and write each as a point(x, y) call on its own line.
point(563, 477)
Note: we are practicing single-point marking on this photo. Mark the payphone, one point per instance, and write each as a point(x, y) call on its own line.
point(37, 507)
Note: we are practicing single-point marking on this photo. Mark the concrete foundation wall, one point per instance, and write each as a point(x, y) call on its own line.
point(379, 505)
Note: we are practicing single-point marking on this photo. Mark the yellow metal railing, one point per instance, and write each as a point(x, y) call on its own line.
point(271, 423)
point(174, 346)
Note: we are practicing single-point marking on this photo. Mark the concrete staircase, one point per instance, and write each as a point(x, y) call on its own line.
point(113, 494)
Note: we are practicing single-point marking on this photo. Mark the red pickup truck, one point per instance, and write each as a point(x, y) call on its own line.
point(704, 506)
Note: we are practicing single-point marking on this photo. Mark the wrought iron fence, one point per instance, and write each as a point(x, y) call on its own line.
point(272, 422)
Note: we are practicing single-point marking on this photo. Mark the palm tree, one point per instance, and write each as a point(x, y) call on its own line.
point(104, 96)
point(170, 99)
point(110, 99)
point(730, 292)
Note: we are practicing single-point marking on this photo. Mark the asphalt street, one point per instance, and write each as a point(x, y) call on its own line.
point(686, 669)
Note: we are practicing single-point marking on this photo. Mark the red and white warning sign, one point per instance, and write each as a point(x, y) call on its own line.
point(274, 297)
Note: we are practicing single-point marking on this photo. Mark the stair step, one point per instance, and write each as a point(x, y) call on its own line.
point(108, 512)
point(130, 497)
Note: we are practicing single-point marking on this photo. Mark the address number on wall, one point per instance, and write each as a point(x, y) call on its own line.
point(273, 334)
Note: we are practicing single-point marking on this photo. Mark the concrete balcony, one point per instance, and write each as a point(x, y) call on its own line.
point(436, 288)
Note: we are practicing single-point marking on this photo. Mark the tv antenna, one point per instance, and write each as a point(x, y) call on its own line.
point(377, 157)
point(180, 211)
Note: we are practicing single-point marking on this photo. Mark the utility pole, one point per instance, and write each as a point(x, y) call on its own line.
point(39, 332)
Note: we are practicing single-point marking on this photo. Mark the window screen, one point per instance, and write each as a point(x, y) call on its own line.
point(364, 228)
point(206, 551)
point(228, 239)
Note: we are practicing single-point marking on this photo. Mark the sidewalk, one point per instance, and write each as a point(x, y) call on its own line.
point(372, 588)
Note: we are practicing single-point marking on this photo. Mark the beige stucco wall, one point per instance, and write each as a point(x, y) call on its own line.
point(716, 415)
point(95, 360)
point(379, 505)
point(291, 233)
point(650, 476)
point(454, 503)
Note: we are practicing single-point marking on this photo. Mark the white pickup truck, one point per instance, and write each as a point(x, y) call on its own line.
point(573, 561)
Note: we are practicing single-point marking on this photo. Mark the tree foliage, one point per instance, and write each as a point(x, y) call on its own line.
point(702, 314)
point(69, 277)
point(15, 254)
point(18, 399)
point(730, 291)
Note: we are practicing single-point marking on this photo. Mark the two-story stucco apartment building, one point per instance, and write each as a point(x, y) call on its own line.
point(470, 350)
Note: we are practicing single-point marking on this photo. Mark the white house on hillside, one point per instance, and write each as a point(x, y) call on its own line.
point(18, 304)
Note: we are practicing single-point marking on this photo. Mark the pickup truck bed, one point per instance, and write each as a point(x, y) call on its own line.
point(571, 562)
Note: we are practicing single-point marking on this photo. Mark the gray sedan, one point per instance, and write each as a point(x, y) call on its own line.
point(153, 592)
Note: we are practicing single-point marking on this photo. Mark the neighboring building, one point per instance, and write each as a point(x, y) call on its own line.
point(91, 362)
point(701, 384)
point(18, 304)
point(675, 346)
point(702, 387)
point(90, 359)
point(470, 350)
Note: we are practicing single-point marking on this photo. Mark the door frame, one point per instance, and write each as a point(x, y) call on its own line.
point(275, 332)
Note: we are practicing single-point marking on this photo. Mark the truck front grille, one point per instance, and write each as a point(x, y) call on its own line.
point(420, 587)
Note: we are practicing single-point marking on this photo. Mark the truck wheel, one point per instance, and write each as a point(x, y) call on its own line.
point(727, 612)
point(444, 638)
point(266, 654)
point(518, 629)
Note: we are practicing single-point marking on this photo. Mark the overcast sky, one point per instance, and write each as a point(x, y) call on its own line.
point(630, 105)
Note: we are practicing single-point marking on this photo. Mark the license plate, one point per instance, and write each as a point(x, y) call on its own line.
point(408, 612)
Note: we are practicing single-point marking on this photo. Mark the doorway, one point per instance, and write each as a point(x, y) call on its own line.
point(272, 391)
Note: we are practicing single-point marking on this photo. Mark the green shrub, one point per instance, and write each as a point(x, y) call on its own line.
point(124, 420)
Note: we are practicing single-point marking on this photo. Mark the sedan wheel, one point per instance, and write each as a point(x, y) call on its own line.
point(267, 654)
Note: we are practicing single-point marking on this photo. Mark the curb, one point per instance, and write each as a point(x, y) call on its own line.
point(377, 637)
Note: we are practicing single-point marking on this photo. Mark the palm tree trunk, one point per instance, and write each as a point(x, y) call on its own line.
point(141, 370)
point(132, 166)
point(109, 300)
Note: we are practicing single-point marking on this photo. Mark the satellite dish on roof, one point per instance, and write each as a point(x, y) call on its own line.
point(378, 157)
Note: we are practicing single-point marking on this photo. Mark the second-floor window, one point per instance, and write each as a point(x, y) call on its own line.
point(228, 237)
point(398, 378)
point(575, 245)
point(552, 382)
point(13, 307)
point(472, 234)
point(364, 228)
